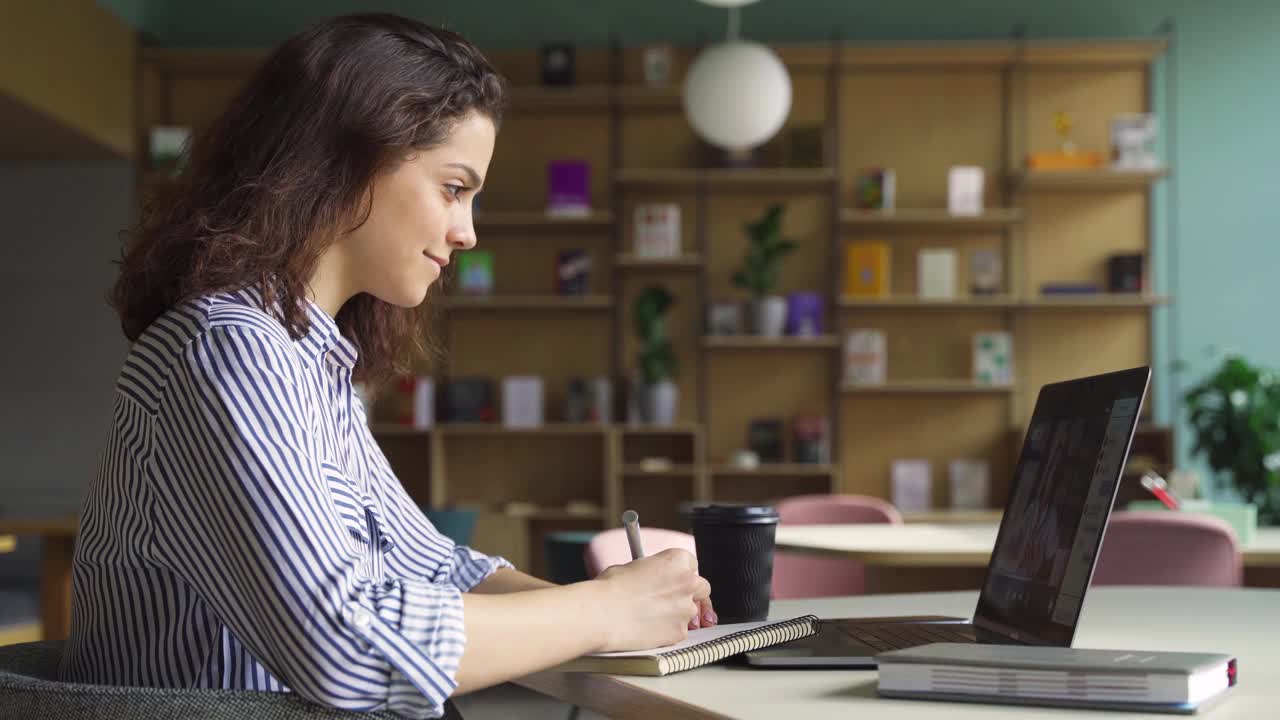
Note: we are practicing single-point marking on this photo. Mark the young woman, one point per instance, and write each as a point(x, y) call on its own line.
point(244, 530)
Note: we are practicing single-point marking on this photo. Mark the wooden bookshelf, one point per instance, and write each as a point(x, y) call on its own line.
point(775, 470)
point(396, 430)
point(766, 179)
point(674, 470)
point(911, 302)
point(680, 428)
point(930, 219)
point(498, 429)
point(751, 342)
point(534, 220)
point(1102, 179)
point(529, 302)
point(638, 262)
point(1100, 301)
point(928, 387)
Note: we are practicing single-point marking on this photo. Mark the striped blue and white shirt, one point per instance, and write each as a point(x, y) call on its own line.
point(245, 531)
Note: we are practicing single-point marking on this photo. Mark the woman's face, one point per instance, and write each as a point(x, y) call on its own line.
point(420, 215)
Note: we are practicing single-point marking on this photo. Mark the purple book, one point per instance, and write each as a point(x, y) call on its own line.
point(568, 187)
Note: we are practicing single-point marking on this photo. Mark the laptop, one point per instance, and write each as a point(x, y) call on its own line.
point(1060, 498)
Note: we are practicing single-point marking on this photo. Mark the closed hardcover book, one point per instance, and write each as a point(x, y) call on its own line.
point(866, 269)
point(1138, 680)
point(702, 647)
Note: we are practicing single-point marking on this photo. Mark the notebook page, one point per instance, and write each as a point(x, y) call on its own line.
point(696, 637)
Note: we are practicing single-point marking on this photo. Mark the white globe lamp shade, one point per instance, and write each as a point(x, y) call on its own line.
point(727, 3)
point(737, 95)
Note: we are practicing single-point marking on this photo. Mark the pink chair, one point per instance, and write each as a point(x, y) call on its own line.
point(803, 576)
point(1168, 548)
point(610, 547)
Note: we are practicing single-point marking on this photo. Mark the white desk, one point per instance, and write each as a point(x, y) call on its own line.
point(1245, 623)
point(925, 545)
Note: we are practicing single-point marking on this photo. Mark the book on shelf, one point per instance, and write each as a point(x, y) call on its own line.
point(703, 647)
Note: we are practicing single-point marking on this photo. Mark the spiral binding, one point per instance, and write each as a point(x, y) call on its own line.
point(739, 642)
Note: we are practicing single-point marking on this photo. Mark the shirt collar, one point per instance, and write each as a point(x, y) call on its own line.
point(323, 339)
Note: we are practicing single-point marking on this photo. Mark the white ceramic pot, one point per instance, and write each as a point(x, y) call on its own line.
point(769, 316)
point(660, 402)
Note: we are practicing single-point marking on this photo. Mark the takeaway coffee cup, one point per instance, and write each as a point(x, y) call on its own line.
point(735, 555)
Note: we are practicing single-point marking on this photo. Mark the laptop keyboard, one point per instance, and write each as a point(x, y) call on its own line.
point(895, 636)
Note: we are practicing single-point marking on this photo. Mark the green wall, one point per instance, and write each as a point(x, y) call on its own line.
point(1227, 111)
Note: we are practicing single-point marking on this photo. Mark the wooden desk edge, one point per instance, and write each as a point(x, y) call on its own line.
point(611, 697)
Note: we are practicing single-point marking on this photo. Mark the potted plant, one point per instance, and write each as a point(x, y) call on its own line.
point(1234, 414)
point(657, 361)
point(759, 273)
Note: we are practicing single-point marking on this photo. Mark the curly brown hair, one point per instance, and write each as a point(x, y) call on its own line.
point(286, 169)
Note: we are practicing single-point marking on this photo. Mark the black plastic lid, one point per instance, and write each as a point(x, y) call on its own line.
point(733, 514)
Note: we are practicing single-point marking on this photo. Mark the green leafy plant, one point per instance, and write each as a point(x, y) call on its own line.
point(1234, 414)
point(765, 250)
point(657, 358)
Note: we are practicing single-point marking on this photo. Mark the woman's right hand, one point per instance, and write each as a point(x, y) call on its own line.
point(649, 602)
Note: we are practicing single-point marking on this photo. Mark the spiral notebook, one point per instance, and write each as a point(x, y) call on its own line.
point(702, 647)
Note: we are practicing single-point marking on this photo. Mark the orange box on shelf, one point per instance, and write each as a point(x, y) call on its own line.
point(1058, 160)
point(866, 269)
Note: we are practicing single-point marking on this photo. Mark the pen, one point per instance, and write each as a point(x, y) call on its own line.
point(631, 522)
point(1157, 486)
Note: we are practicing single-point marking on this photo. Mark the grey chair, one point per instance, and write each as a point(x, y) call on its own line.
point(29, 689)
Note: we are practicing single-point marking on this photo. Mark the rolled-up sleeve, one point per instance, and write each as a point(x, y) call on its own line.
point(426, 552)
point(252, 526)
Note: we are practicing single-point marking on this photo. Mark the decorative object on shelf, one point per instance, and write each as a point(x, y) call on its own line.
point(1234, 414)
point(965, 188)
point(911, 485)
point(573, 272)
point(602, 400)
point(986, 271)
point(866, 268)
point(588, 401)
point(1069, 288)
point(657, 361)
point(737, 94)
point(865, 357)
point(970, 482)
point(1066, 156)
point(744, 459)
point(758, 275)
point(936, 273)
point(804, 314)
point(522, 401)
point(475, 272)
point(468, 399)
point(558, 64)
point(806, 146)
point(724, 317)
point(167, 145)
point(569, 188)
point(875, 189)
point(1125, 272)
point(424, 402)
point(1133, 142)
point(766, 438)
point(812, 439)
point(657, 61)
point(993, 358)
point(657, 228)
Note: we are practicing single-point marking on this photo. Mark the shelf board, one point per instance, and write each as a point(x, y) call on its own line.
point(679, 262)
point(927, 387)
point(930, 218)
point(685, 428)
point(776, 469)
point(593, 97)
point(387, 429)
point(1101, 301)
point(529, 302)
point(753, 342)
point(761, 178)
point(530, 219)
point(674, 470)
point(556, 513)
point(549, 429)
point(908, 302)
point(1100, 179)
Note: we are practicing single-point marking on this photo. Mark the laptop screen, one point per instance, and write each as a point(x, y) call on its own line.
point(1065, 481)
